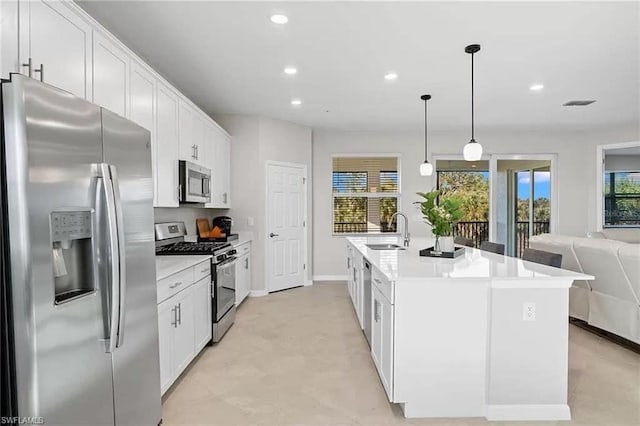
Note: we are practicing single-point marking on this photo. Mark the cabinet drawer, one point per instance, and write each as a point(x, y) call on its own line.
point(169, 286)
point(201, 270)
point(243, 249)
point(383, 284)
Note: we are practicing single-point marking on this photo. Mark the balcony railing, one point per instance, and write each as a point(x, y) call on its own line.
point(479, 231)
point(355, 228)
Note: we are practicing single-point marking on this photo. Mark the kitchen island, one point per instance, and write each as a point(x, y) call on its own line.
point(481, 335)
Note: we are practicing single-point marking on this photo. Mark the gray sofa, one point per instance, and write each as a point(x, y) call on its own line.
point(612, 300)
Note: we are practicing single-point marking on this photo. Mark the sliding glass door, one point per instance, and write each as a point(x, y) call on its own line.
point(508, 198)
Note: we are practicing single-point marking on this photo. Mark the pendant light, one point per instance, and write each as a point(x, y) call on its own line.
point(472, 150)
point(426, 169)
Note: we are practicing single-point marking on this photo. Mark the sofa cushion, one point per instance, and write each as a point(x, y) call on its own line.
point(600, 259)
point(628, 235)
point(629, 255)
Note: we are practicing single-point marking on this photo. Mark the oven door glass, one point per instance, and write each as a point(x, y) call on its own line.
point(225, 286)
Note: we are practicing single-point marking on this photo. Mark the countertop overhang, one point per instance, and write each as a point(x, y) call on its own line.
point(474, 264)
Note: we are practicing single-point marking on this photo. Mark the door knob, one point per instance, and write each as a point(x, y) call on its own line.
point(274, 235)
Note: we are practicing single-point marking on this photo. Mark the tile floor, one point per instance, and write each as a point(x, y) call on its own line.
point(298, 357)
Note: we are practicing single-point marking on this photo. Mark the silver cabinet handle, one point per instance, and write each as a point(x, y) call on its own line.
point(377, 280)
point(205, 270)
point(224, 198)
point(174, 314)
point(273, 235)
point(29, 66)
point(376, 310)
point(179, 283)
point(41, 71)
point(246, 264)
point(197, 152)
point(179, 313)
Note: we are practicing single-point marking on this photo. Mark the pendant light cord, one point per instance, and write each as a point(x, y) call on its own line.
point(473, 139)
point(425, 130)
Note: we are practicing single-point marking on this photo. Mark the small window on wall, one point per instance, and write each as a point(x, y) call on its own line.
point(621, 199)
point(365, 191)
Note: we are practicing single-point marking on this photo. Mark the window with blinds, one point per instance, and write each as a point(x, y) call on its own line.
point(365, 194)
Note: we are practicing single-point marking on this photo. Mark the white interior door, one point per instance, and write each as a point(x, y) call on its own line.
point(286, 189)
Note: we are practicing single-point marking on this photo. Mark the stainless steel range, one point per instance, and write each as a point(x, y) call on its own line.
point(170, 241)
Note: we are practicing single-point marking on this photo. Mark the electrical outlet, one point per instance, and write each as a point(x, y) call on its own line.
point(250, 221)
point(528, 311)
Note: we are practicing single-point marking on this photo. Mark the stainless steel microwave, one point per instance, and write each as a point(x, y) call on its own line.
point(195, 183)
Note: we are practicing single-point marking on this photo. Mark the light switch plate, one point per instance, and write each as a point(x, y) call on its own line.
point(250, 221)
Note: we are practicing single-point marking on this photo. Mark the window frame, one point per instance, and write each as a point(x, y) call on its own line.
point(603, 197)
point(376, 195)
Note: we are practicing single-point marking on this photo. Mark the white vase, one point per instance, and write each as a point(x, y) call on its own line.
point(446, 244)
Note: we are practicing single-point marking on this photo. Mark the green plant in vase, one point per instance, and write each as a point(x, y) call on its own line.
point(442, 213)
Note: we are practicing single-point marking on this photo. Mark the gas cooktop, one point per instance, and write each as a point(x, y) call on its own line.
point(192, 248)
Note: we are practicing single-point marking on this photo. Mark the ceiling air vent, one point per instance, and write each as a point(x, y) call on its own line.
point(578, 103)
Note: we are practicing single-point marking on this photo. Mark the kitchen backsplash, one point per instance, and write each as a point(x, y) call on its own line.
point(188, 215)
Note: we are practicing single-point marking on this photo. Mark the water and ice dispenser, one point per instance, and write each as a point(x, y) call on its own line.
point(72, 254)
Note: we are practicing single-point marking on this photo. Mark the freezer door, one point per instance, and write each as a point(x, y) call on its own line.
point(53, 143)
point(136, 365)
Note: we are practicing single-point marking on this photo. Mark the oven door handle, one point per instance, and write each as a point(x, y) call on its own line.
point(226, 264)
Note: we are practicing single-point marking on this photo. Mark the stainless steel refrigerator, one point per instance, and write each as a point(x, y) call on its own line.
point(79, 316)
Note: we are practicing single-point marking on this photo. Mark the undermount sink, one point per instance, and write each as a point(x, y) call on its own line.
point(385, 247)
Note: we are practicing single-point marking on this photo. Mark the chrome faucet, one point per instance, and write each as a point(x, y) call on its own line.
point(406, 236)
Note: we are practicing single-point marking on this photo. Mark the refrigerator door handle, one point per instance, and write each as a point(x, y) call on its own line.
point(121, 255)
point(105, 175)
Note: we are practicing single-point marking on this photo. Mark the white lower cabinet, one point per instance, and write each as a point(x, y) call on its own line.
point(166, 315)
point(184, 323)
point(243, 272)
point(184, 337)
point(202, 310)
point(382, 338)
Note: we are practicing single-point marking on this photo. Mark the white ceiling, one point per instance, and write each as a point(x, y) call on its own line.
point(228, 58)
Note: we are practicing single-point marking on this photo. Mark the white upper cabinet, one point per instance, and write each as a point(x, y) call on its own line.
point(192, 135)
point(200, 141)
point(219, 159)
point(167, 148)
point(142, 109)
point(186, 118)
point(58, 42)
point(110, 75)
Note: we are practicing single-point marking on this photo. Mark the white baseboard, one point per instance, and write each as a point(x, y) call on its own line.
point(329, 278)
point(308, 283)
point(258, 293)
point(532, 412)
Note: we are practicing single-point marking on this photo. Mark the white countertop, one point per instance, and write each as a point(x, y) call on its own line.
point(169, 265)
point(243, 237)
point(408, 265)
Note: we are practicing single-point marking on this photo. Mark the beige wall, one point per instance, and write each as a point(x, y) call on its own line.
point(256, 140)
point(576, 174)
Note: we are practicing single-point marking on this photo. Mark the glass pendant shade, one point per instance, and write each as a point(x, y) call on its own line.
point(426, 169)
point(472, 151)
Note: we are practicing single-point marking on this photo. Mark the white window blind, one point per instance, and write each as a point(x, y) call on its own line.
point(365, 194)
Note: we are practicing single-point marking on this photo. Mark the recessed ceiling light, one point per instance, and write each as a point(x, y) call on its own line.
point(296, 102)
point(279, 19)
point(391, 76)
point(290, 70)
point(536, 87)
